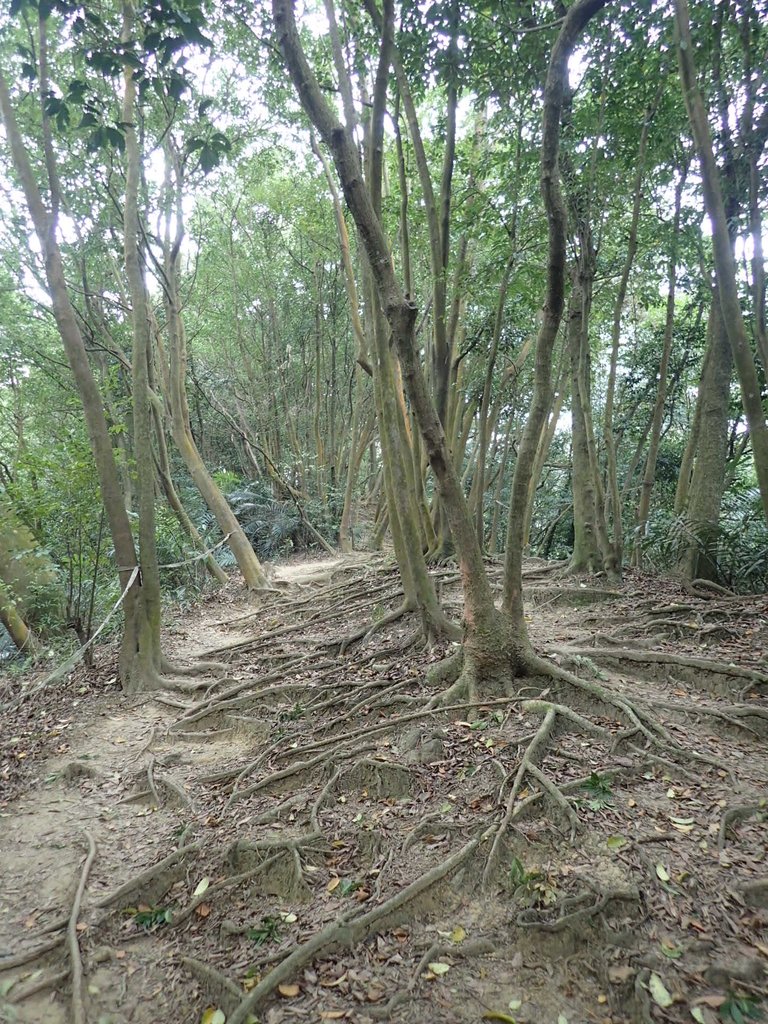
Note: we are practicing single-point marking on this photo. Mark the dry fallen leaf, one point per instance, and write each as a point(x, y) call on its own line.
point(617, 975)
point(333, 1014)
point(714, 1001)
point(288, 991)
point(203, 910)
point(333, 884)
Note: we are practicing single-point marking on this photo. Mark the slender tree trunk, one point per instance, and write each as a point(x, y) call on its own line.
point(482, 429)
point(649, 475)
point(358, 442)
point(247, 561)
point(616, 543)
point(18, 630)
point(149, 655)
point(758, 263)
point(584, 557)
point(493, 546)
point(554, 93)
point(175, 504)
point(725, 263)
point(699, 555)
point(545, 443)
point(45, 225)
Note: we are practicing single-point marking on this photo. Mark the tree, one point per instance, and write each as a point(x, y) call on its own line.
point(495, 644)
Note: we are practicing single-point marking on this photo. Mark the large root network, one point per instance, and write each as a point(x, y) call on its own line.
point(371, 797)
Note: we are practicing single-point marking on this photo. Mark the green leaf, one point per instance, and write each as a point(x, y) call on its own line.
point(209, 158)
point(116, 138)
point(659, 992)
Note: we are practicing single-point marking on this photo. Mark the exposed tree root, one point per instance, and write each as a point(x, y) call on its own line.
point(70, 939)
point(213, 890)
point(734, 815)
point(754, 676)
point(217, 986)
point(643, 723)
point(732, 715)
point(573, 911)
point(706, 588)
point(533, 751)
point(346, 932)
point(173, 787)
point(76, 963)
point(151, 874)
point(9, 963)
point(365, 632)
point(53, 980)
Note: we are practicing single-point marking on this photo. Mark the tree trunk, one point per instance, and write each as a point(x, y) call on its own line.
point(45, 225)
point(174, 501)
point(18, 630)
point(148, 659)
point(541, 402)
point(725, 263)
point(649, 475)
point(495, 646)
point(247, 561)
point(482, 429)
point(585, 557)
point(699, 557)
point(616, 543)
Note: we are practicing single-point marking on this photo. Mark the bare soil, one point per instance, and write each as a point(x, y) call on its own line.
point(303, 835)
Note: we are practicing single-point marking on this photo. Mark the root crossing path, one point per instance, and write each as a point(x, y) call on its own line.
point(306, 830)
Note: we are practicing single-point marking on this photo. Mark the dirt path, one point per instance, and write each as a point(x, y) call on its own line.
point(305, 789)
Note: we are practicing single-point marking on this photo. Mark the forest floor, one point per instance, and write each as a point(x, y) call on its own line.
point(298, 835)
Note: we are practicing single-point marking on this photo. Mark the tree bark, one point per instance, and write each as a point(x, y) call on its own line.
point(585, 554)
point(725, 263)
point(45, 225)
point(148, 659)
point(616, 543)
point(175, 383)
point(698, 558)
point(552, 314)
point(649, 474)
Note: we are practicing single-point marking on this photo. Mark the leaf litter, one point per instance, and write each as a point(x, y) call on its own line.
point(654, 911)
